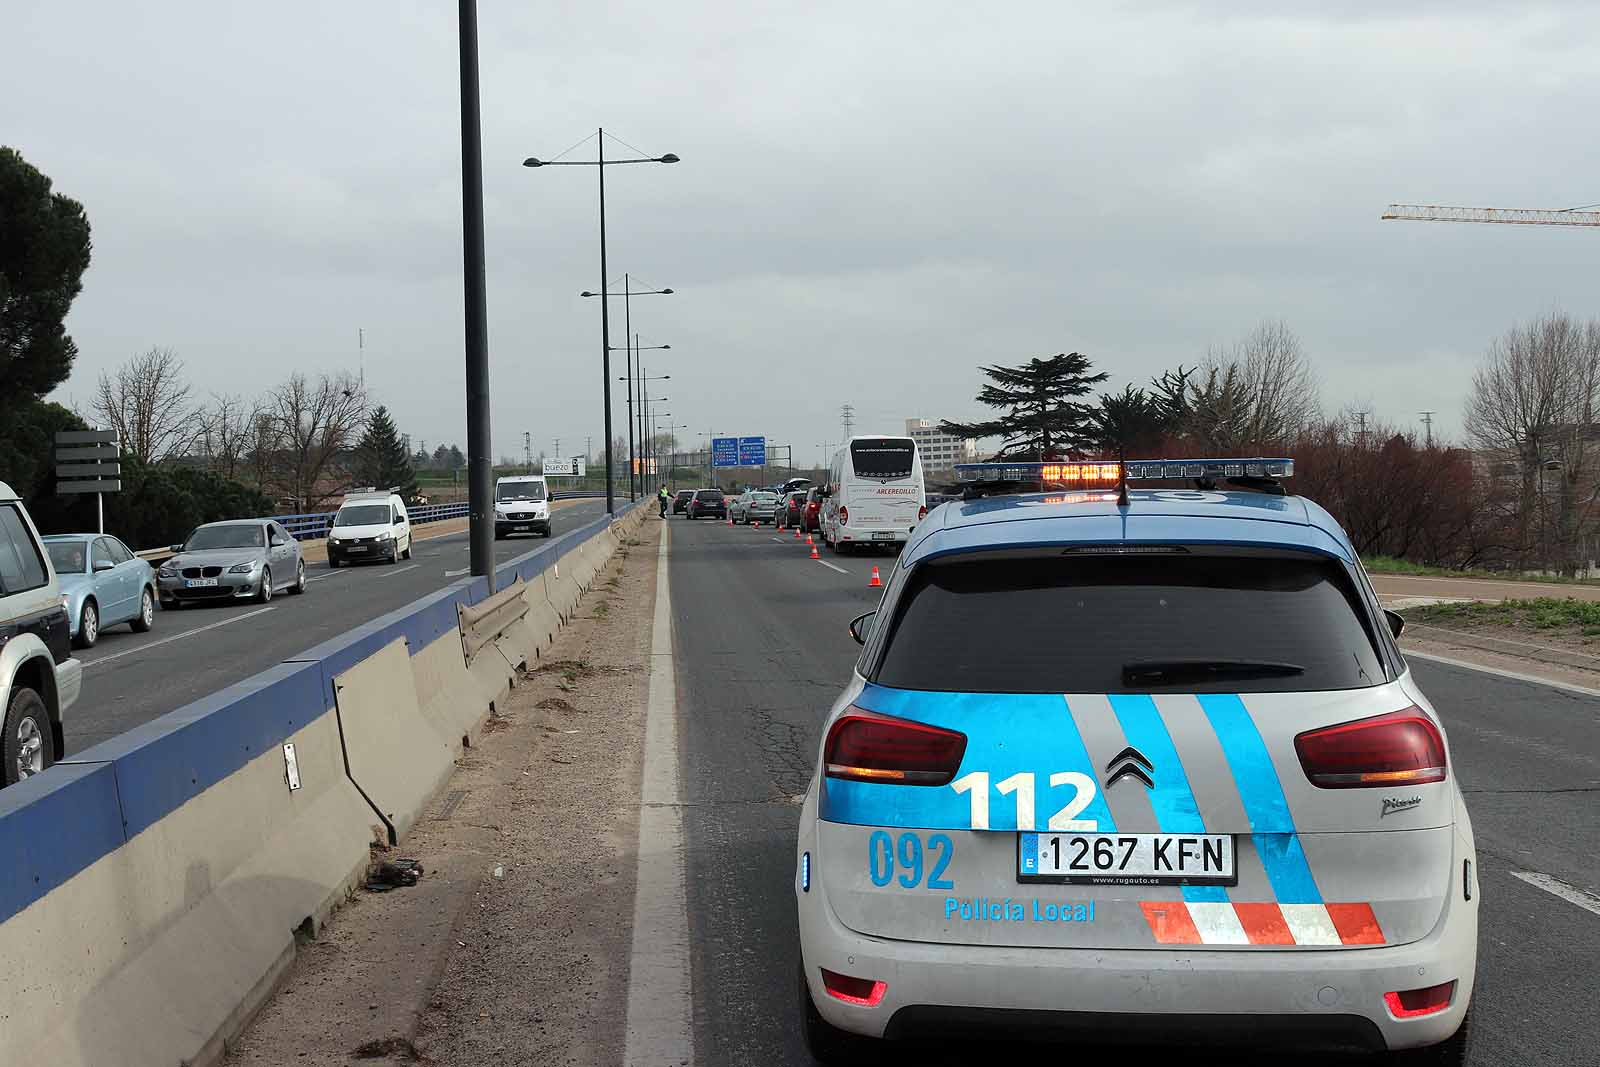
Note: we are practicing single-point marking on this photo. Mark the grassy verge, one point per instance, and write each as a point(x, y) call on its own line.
point(1576, 617)
point(1408, 568)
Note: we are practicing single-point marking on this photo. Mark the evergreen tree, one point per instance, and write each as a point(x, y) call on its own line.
point(381, 458)
point(1043, 416)
point(44, 250)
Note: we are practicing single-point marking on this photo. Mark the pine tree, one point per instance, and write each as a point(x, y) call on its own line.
point(1043, 415)
point(381, 459)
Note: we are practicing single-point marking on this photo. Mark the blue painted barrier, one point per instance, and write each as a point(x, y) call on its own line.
point(54, 825)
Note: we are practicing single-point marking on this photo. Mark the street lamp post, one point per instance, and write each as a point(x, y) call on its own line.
point(628, 293)
point(480, 537)
point(646, 452)
point(600, 163)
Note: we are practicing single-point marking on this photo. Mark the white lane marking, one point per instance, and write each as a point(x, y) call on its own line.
point(659, 1004)
point(325, 577)
point(1310, 924)
point(1556, 887)
point(1217, 924)
point(831, 567)
point(175, 637)
point(1513, 675)
point(392, 571)
point(457, 574)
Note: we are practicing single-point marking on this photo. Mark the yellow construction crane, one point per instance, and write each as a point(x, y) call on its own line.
point(1507, 216)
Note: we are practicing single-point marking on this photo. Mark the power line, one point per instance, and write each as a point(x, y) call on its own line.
point(1427, 424)
point(847, 417)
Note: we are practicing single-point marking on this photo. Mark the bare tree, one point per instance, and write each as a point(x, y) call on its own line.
point(1282, 383)
point(317, 424)
point(1534, 403)
point(1258, 395)
point(148, 403)
point(227, 434)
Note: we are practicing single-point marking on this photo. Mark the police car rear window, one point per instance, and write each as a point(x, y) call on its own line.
point(1098, 624)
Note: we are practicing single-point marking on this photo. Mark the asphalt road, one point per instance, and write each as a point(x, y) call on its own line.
point(129, 679)
point(761, 651)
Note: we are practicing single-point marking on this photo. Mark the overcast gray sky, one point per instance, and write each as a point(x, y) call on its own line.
point(873, 198)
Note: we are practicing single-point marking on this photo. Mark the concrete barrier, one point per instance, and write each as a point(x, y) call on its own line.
point(155, 885)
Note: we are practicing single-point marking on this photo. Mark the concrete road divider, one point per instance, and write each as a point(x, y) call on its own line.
point(155, 886)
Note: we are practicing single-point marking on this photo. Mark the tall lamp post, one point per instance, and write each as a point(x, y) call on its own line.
point(644, 408)
point(600, 163)
point(628, 293)
point(480, 473)
point(646, 452)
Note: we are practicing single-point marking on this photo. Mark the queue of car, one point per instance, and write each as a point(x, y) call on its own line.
point(1055, 797)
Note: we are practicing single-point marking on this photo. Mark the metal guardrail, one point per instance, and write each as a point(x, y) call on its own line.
point(314, 526)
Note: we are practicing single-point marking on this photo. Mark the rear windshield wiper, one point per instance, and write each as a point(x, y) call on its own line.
point(1172, 671)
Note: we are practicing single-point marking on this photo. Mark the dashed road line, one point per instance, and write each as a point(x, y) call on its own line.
point(1556, 887)
point(831, 567)
point(175, 637)
point(392, 571)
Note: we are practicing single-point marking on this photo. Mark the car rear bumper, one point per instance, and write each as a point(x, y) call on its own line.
point(860, 535)
point(69, 683)
point(1303, 998)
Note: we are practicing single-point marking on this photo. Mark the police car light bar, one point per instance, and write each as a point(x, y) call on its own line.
point(1104, 474)
point(1209, 469)
point(1110, 474)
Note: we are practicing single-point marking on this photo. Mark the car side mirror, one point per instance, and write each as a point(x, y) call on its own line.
point(861, 627)
point(175, 549)
point(103, 565)
point(1396, 621)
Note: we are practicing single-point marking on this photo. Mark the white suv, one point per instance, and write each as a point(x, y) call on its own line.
point(370, 525)
point(39, 679)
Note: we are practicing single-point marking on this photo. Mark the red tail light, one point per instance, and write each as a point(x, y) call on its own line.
point(1400, 748)
point(865, 747)
point(861, 991)
point(922, 512)
point(844, 516)
point(1410, 1003)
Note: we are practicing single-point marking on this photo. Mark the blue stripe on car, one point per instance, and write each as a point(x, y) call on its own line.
point(1267, 808)
point(1173, 800)
point(1007, 733)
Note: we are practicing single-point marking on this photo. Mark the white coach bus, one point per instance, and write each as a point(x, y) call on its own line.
point(875, 493)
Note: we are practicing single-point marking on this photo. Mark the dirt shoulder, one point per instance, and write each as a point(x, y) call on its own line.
point(514, 946)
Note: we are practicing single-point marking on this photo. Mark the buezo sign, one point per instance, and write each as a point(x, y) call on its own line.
point(572, 467)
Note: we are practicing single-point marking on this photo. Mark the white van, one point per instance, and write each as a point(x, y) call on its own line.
point(370, 524)
point(521, 505)
point(875, 493)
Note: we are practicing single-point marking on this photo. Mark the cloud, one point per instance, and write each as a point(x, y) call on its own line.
point(873, 199)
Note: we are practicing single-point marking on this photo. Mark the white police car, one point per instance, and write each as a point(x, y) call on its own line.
point(1143, 765)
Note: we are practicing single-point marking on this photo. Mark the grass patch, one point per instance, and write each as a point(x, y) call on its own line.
point(1541, 613)
point(1391, 565)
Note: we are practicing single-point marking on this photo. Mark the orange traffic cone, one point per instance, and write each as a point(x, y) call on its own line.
point(797, 533)
point(730, 518)
point(756, 523)
point(876, 581)
point(814, 552)
point(809, 541)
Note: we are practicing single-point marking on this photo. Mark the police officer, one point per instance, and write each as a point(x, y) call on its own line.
point(663, 497)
